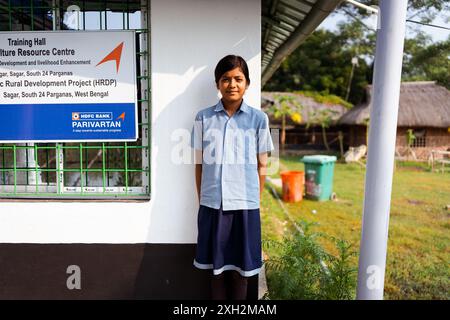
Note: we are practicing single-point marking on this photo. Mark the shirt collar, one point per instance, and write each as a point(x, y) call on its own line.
point(219, 106)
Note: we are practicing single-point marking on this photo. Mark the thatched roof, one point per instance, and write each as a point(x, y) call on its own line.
point(422, 104)
point(309, 105)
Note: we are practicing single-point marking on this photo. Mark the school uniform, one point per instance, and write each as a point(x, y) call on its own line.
point(229, 227)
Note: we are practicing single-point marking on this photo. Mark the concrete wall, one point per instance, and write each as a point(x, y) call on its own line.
point(141, 250)
point(188, 38)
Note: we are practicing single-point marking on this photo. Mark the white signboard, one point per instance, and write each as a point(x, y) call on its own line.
point(68, 86)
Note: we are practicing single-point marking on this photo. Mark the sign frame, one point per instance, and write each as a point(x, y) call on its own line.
point(133, 65)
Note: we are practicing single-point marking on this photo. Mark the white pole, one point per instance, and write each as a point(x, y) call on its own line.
point(363, 6)
point(380, 162)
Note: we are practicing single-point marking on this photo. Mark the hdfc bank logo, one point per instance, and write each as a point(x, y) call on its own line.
point(75, 116)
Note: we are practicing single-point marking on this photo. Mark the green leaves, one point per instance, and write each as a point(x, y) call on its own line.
point(322, 117)
point(284, 105)
point(427, 62)
point(410, 137)
point(323, 64)
point(298, 273)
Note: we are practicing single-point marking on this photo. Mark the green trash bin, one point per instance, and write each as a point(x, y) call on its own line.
point(319, 172)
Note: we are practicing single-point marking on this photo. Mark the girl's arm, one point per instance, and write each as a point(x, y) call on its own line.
point(262, 171)
point(198, 172)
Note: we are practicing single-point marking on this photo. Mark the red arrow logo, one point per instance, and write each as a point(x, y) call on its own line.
point(122, 116)
point(113, 55)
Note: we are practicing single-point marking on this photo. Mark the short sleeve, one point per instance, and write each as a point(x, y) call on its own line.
point(265, 143)
point(197, 133)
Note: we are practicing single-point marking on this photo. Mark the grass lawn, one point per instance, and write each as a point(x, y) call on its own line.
point(418, 245)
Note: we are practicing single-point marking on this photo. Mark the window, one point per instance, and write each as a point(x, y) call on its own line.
point(81, 170)
point(420, 138)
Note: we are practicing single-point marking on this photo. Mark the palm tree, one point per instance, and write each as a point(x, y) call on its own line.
point(283, 106)
point(410, 137)
point(322, 117)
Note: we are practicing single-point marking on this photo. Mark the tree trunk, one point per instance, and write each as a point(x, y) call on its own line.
point(325, 142)
point(367, 136)
point(313, 136)
point(341, 142)
point(283, 131)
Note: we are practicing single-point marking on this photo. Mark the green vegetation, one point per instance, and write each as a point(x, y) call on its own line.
point(418, 245)
point(285, 106)
point(304, 270)
point(323, 63)
point(323, 97)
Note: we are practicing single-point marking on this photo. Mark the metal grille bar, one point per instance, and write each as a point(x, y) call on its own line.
point(109, 170)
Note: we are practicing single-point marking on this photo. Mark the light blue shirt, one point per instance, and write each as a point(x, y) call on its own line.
point(229, 148)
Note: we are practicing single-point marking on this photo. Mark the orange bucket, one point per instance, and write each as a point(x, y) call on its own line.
point(293, 182)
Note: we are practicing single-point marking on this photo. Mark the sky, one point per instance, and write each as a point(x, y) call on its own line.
point(115, 20)
point(437, 34)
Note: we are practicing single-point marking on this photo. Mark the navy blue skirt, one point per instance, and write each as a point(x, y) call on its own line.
point(229, 240)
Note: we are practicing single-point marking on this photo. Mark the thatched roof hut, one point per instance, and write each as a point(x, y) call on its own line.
point(424, 111)
point(422, 104)
point(299, 136)
point(309, 107)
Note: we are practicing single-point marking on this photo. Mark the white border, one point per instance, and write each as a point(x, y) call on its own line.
point(227, 267)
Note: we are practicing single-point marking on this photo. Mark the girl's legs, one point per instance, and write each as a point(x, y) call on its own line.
point(218, 287)
point(238, 286)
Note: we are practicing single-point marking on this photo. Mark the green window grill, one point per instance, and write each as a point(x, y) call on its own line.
point(94, 170)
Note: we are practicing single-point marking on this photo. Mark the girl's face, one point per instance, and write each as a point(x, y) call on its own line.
point(232, 85)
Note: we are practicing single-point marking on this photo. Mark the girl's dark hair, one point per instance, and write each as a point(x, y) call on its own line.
point(231, 62)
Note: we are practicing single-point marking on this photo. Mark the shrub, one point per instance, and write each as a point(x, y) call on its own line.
point(304, 270)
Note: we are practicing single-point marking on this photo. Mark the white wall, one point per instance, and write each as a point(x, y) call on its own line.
point(188, 39)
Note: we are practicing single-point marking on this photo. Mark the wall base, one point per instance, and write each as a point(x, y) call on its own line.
point(108, 271)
